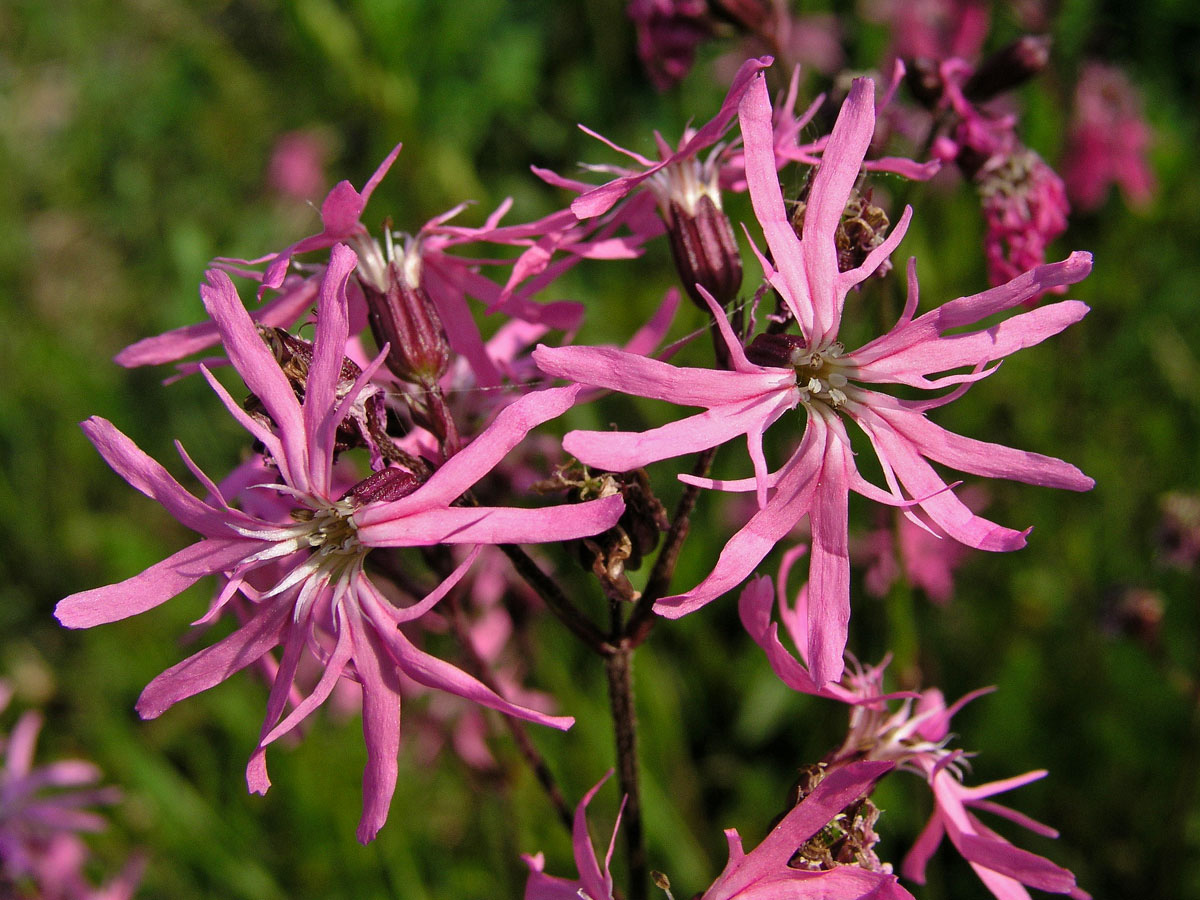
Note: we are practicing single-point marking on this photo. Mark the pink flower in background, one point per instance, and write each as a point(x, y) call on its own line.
point(813, 370)
point(1024, 209)
point(925, 558)
point(1109, 140)
point(932, 29)
point(61, 873)
point(594, 882)
point(297, 166)
point(1024, 201)
point(42, 810)
point(316, 593)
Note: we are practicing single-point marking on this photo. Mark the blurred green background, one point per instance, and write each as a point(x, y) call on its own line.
point(135, 138)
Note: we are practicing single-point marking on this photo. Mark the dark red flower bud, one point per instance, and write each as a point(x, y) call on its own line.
point(382, 486)
point(779, 350)
point(1008, 68)
point(705, 251)
point(405, 318)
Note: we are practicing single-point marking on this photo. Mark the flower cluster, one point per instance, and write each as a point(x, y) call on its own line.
point(390, 445)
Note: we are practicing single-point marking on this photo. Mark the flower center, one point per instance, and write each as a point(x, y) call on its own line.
point(684, 183)
point(331, 532)
point(821, 374)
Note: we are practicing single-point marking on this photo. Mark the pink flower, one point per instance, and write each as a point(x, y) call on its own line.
point(813, 370)
point(1024, 209)
point(1109, 140)
point(764, 872)
point(1024, 201)
point(61, 873)
point(304, 571)
point(914, 737)
point(594, 882)
point(932, 29)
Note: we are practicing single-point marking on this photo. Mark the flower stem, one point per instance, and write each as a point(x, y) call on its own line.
point(618, 666)
point(642, 619)
point(547, 588)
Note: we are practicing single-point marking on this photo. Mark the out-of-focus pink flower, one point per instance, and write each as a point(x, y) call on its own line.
point(812, 40)
point(1024, 201)
point(297, 166)
point(42, 810)
point(814, 370)
point(932, 29)
point(1109, 140)
point(61, 874)
point(1024, 209)
point(668, 32)
point(919, 553)
point(594, 882)
point(316, 593)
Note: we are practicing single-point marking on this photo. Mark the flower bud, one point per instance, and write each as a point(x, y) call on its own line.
point(383, 486)
point(779, 350)
point(705, 251)
point(405, 318)
point(1008, 68)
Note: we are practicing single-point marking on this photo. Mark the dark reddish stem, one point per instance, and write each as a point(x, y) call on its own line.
point(618, 666)
point(659, 582)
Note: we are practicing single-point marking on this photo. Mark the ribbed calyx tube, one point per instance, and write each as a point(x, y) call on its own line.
point(705, 251)
point(1007, 68)
point(405, 318)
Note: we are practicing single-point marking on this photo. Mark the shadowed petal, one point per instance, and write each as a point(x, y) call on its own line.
point(215, 664)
